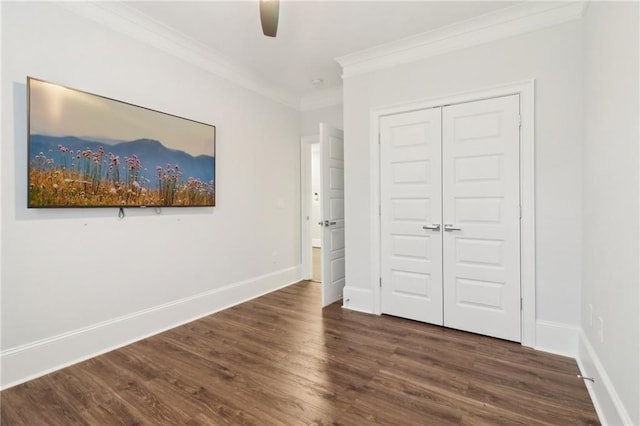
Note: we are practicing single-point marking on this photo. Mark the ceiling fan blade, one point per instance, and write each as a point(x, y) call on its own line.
point(269, 10)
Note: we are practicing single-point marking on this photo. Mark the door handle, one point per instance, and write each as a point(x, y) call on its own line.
point(327, 223)
point(434, 227)
point(448, 227)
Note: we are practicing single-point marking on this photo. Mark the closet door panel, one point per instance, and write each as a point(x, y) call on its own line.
point(410, 196)
point(481, 213)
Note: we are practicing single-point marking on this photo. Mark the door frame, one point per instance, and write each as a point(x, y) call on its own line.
point(526, 90)
point(305, 203)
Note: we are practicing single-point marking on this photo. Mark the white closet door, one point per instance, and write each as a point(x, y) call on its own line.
point(481, 203)
point(410, 195)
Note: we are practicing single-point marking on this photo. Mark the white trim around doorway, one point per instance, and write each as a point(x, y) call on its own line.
point(527, 194)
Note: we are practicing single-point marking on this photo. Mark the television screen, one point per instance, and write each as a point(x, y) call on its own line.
point(86, 150)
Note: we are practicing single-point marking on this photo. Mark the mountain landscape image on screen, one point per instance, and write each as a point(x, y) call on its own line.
point(73, 171)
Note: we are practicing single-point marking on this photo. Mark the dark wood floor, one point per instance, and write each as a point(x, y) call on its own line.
point(280, 359)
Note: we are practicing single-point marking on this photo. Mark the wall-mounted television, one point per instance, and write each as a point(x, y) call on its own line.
point(87, 150)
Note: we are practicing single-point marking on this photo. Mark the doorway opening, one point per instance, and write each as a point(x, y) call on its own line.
point(322, 200)
point(311, 270)
point(316, 216)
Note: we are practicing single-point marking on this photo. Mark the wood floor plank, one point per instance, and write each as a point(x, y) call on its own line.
point(283, 360)
point(228, 389)
point(136, 395)
point(392, 401)
point(557, 386)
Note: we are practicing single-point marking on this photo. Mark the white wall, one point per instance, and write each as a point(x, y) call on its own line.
point(611, 214)
point(311, 119)
point(553, 57)
point(69, 275)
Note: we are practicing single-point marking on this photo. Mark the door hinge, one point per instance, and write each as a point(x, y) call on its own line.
point(520, 206)
point(519, 120)
point(379, 209)
point(380, 281)
point(378, 138)
point(521, 303)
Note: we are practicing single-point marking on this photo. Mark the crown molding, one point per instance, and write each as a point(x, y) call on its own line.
point(127, 20)
point(321, 99)
point(519, 19)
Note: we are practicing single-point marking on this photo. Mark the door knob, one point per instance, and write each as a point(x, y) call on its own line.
point(434, 227)
point(448, 227)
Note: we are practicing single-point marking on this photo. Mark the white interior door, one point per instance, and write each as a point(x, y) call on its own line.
point(332, 206)
point(410, 201)
point(450, 216)
point(481, 217)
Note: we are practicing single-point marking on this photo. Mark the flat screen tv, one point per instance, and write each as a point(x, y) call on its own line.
point(87, 150)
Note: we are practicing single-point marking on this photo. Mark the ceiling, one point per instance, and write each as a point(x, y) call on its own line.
point(311, 34)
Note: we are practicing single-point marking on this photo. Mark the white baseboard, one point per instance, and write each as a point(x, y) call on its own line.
point(36, 359)
point(316, 242)
point(608, 405)
point(357, 299)
point(556, 338)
